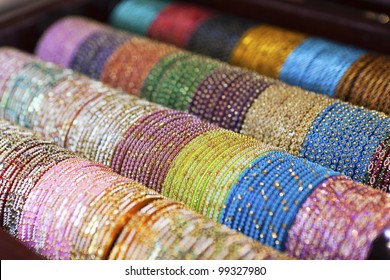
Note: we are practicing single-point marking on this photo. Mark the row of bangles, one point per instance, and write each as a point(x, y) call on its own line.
point(346, 138)
point(67, 207)
point(316, 64)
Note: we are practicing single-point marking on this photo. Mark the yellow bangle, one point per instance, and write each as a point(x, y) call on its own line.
point(264, 49)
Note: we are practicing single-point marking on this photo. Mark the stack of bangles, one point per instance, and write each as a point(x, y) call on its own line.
point(315, 64)
point(65, 207)
point(348, 139)
point(285, 202)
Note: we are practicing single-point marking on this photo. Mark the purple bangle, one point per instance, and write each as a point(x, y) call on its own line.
point(210, 91)
point(353, 227)
point(234, 108)
point(62, 40)
point(171, 122)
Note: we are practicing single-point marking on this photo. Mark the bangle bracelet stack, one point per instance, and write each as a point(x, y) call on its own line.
point(231, 178)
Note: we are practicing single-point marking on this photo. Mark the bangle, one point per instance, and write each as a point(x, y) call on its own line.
point(95, 50)
point(266, 49)
point(165, 27)
point(217, 36)
point(69, 33)
point(345, 224)
point(337, 141)
point(119, 70)
point(318, 65)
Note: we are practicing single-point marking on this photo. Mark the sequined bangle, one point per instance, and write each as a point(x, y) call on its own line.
point(344, 226)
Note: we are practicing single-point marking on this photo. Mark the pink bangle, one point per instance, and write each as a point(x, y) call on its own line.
point(349, 212)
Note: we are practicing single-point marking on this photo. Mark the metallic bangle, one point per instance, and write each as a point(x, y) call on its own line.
point(266, 49)
point(345, 224)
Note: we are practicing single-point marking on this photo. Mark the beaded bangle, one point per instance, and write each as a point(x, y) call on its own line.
point(175, 80)
point(289, 115)
point(92, 55)
point(345, 140)
point(135, 239)
point(364, 83)
point(284, 182)
point(129, 164)
point(343, 228)
point(378, 171)
point(40, 200)
point(12, 62)
point(32, 168)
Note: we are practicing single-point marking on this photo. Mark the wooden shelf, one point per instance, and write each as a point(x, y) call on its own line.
point(12, 249)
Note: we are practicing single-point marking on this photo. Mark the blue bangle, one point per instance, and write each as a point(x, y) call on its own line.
point(137, 15)
point(92, 55)
point(345, 136)
point(319, 65)
point(274, 188)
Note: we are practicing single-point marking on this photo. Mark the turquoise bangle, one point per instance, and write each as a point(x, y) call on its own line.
point(135, 15)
